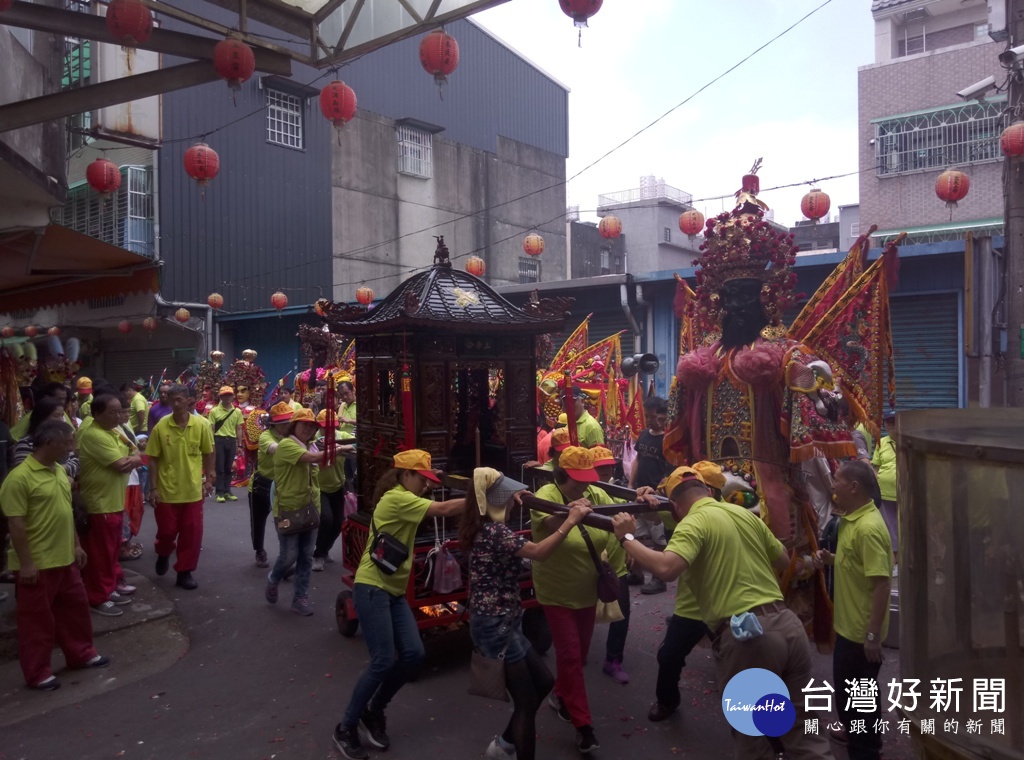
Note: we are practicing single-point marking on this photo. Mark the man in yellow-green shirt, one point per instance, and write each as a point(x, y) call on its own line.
point(588, 430)
point(227, 424)
point(727, 556)
point(181, 473)
point(138, 417)
point(52, 607)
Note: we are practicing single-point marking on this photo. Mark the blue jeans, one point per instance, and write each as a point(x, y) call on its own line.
point(388, 626)
point(297, 548)
point(494, 633)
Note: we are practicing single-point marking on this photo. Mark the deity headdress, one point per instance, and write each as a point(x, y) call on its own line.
point(743, 245)
point(244, 373)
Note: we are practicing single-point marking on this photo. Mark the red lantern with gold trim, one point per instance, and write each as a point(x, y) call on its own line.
point(103, 176)
point(691, 222)
point(202, 163)
point(279, 300)
point(215, 300)
point(7, 332)
point(1011, 141)
point(31, 331)
point(183, 315)
point(364, 295)
point(610, 227)
point(533, 245)
point(129, 21)
point(951, 187)
point(338, 103)
point(234, 61)
point(476, 266)
point(580, 10)
point(439, 55)
point(149, 324)
point(124, 327)
point(815, 204)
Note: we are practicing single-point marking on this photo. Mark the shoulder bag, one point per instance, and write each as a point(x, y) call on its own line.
point(607, 580)
point(386, 551)
point(299, 520)
point(487, 675)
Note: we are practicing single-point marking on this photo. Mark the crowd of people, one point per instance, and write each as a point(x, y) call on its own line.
point(70, 467)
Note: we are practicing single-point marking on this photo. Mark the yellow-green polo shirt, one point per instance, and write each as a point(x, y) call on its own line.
point(589, 431)
point(399, 512)
point(568, 577)
point(295, 405)
point(85, 407)
point(332, 478)
point(617, 554)
point(140, 411)
point(41, 495)
point(295, 483)
point(348, 429)
point(20, 428)
point(265, 460)
point(232, 419)
point(179, 453)
point(863, 553)
point(102, 488)
point(730, 554)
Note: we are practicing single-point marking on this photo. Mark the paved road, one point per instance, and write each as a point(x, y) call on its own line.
point(260, 682)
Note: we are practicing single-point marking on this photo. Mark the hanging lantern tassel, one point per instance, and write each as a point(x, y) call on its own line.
point(408, 417)
point(330, 433)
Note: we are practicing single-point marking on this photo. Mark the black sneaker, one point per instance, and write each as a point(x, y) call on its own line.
point(186, 581)
point(375, 725)
point(348, 744)
point(162, 563)
point(586, 742)
point(559, 707)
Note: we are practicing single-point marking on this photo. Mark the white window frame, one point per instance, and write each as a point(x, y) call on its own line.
point(415, 152)
point(285, 119)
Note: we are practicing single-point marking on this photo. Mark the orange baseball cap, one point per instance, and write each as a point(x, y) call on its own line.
point(578, 464)
point(83, 384)
point(416, 460)
point(321, 419)
point(560, 439)
point(281, 412)
point(226, 390)
point(303, 415)
point(679, 475)
point(711, 473)
point(602, 456)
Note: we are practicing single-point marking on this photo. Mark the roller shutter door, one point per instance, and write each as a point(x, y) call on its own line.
point(926, 344)
point(124, 366)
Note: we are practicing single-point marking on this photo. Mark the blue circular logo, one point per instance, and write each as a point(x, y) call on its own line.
point(756, 702)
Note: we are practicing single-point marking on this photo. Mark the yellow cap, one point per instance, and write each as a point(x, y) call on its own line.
point(711, 473)
point(559, 439)
point(83, 384)
point(303, 415)
point(562, 419)
point(602, 456)
point(578, 464)
point(281, 412)
point(417, 460)
point(321, 419)
point(226, 390)
point(678, 476)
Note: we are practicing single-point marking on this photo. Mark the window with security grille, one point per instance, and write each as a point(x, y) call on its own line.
point(284, 119)
point(940, 138)
point(415, 152)
point(125, 219)
point(529, 270)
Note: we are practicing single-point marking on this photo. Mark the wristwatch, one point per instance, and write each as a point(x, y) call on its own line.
point(870, 636)
point(627, 537)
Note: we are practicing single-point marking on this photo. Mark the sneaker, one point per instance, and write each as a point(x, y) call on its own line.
point(302, 606)
point(186, 581)
point(375, 725)
point(107, 609)
point(271, 592)
point(348, 744)
point(220, 499)
point(660, 712)
point(556, 704)
point(330, 560)
point(120, 601)
point(48, 684)
point(162, 563)
point(99, 661)
point(586, 742)
point(495, 751)
point(125, 589)
point(614, 669)
point(653, 586)
point(318, 564)
point(261, 559)
point(230, 497)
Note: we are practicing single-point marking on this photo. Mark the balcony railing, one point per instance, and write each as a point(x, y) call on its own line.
point(654, 191)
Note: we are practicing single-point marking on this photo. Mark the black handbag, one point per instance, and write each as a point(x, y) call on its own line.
point(299, 520)
point(386, 551)
point(607, 581)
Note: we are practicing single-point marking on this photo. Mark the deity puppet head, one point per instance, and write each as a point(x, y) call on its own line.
point(243, 395)
point(745, 279)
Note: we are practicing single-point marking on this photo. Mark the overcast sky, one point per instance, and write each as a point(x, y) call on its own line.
point(794, 103)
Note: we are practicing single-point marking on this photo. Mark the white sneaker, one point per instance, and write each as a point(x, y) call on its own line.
point(495, 751)
point(119, 599)
point(318, 564)
point(108, 609)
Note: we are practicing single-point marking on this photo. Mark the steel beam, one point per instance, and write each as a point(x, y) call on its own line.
point(57, 105)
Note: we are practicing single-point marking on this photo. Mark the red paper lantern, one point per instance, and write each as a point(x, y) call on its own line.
point(103, 176)
point(183, 315)
point(1011, 141)
point(149, 324)
point(124, 327)
point(54, 331)
point(216, 300)
point(952, 186)
point(234, 61)
point(533, 244)
point(202, 163)
point(7, 332)
point(580, 10)
point(338, 103)
point(439, 55)
point(815, 204)
point(129, 21)
point(279, 300)
point(31, 331)
point(691, 222)
point(364, 295)
point(476, 266)
point(610, 227)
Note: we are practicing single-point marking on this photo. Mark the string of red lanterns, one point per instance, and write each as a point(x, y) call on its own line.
point(183, 315)
point(124, 327)
point(31, 331)
point(7, 332)
point(202, 163)
point(279, 300)
point(149, 324)
point(952, 186)
point(215, 300)
point(53, 332)
point(580, 11)
point(338, 104)
point(1011, 141)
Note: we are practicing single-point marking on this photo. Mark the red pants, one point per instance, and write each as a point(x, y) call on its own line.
point(55, 609)
point(133, 508)
point(102, 544)
point(571, 631)
point(182, 523)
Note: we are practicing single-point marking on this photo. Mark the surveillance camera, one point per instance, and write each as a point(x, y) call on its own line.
point(872, 141)
point(1011, 55)
point(978, 90)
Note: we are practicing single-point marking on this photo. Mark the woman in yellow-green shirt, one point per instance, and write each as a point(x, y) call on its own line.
point(387, 620)
point(332, 496)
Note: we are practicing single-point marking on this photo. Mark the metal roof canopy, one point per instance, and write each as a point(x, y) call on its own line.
point(326, 33)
